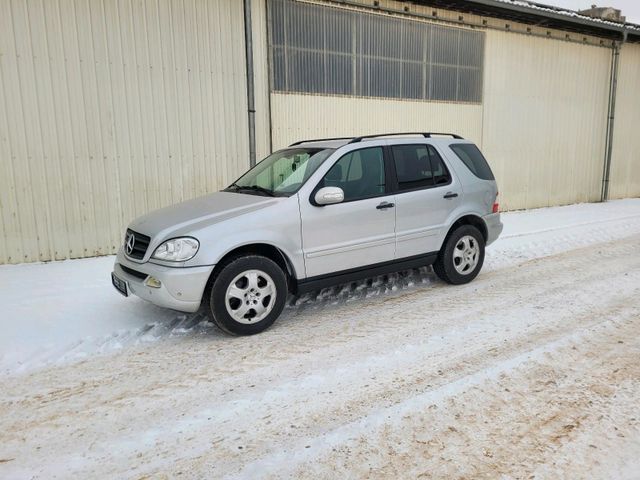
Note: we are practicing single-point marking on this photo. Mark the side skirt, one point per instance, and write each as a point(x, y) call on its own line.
point(359, 273)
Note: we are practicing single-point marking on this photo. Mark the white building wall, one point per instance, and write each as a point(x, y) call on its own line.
point(298, 116)
point(112, 108)
point(109, 109)
point(541, 123)
point(545, 118)
point(625, 159)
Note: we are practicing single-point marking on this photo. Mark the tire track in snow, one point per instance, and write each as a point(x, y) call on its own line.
point(286, 463)
point(567, 409)
point(191, 381)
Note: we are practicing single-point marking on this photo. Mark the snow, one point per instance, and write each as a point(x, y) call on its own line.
point(569, 13)
point(60, 312)
point(63, 311)
point(529, 371)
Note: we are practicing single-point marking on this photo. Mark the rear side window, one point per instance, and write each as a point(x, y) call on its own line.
point(419, 166)
point(473, 159)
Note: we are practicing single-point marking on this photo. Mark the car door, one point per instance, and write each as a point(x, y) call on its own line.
point(427, 193)
point(360, 230)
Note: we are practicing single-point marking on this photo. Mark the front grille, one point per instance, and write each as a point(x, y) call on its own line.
point(133, 272)
point(140, 245)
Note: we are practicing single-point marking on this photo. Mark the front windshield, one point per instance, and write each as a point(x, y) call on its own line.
point(282, 173)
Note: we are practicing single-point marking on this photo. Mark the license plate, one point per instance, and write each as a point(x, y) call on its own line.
point(121, 285)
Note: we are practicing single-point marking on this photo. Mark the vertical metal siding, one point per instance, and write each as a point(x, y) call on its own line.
point(625, 160)
point(544, 124)
point(314, 116)
point(296, 116)
point(111, 108)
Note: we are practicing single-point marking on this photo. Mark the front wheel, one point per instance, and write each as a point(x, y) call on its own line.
point(247, 295)
point(461, 256)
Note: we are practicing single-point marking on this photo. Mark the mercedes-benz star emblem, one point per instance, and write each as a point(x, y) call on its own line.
point(129, 243)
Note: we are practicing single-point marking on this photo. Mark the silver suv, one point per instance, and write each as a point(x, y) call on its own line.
point(317, 213)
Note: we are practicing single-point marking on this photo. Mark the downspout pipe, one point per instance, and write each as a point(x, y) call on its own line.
point(251, 100)
point(613, 89)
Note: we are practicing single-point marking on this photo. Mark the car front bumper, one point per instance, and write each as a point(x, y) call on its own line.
point(181, 288)
point(494, 227)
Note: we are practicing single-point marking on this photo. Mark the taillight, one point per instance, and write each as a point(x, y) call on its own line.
point(496, 205)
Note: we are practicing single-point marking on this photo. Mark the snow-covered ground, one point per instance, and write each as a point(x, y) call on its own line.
point(59, 312)
point(531, 370)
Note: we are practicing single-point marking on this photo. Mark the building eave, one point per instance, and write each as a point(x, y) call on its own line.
point(538, 14)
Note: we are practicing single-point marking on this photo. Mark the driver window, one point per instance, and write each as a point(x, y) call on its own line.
point(360, 174)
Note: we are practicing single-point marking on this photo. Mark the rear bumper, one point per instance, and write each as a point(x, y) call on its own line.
point(494, 227)
point(181, 287)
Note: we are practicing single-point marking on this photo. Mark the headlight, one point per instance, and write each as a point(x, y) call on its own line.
point(177, 249)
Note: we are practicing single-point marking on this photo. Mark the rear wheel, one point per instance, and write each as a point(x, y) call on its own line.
point(461, 256)
point(247, 295)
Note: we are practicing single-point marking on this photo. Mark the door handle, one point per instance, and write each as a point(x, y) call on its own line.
point(385, 205)
point(450, 195)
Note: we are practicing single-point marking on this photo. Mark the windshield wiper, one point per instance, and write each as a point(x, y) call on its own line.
point(254, 188)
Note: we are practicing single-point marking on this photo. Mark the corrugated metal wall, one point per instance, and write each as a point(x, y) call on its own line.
point(109, 109)
point(376, 71)
point(545, 114)
point(625, 159)
point(298, 117)
point(541, 123)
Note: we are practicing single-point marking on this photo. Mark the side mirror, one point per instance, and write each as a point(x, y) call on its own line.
point(329, 195)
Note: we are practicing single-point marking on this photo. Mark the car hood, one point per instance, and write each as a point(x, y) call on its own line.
point(186, 217)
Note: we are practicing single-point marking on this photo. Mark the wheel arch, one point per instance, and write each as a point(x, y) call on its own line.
point(473, 220)
point(264, 249)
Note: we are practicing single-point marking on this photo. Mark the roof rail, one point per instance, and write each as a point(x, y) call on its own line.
point(361, 137)
point(320, 140)
point(424, 134)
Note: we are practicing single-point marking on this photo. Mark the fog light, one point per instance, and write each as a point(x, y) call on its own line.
point(152, 282)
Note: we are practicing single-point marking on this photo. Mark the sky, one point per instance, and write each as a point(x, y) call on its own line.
point(630, 8)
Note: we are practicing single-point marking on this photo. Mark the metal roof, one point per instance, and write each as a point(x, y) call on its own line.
point(533, 13)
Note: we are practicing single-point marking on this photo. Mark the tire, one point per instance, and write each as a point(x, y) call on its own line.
point(247, 295)
point(461, 257)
